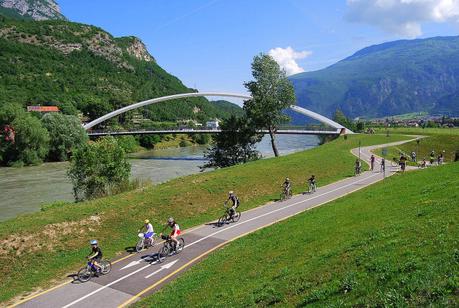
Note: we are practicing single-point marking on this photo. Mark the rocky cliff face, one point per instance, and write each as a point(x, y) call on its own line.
point(138, 50)
point(34, 9)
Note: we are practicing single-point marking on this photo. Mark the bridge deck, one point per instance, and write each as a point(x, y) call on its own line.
point(208, 131)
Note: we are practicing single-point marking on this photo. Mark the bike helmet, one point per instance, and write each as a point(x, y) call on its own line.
point(287, 179)
point(93, 242)
point(147, 221)
point(170, 220)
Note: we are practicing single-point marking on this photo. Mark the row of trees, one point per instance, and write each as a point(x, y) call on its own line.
point(271, 93)
point(51, 137)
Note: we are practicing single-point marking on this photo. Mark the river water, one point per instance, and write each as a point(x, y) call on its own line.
point(25, 190)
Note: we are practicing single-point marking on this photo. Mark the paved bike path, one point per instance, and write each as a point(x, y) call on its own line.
point(140, 274)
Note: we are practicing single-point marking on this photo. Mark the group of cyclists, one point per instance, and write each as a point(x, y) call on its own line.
point(96, 252)
point(287, 186)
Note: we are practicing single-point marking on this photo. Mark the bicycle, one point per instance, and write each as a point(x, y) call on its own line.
point(357, 170)
point(145, 243)
point(225, 218)
point(169, 248)
point(286, 194)
point(87, 272)
point(312, 187)
point(394, 163)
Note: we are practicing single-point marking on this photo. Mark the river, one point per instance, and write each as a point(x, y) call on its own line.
point(25, 190)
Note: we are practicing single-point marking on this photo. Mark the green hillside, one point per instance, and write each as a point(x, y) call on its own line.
point(228, 108)
point(392, 78)
point(393, 244)
point(84, 69)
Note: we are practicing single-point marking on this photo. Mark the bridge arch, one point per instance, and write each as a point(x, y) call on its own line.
point(298, 109)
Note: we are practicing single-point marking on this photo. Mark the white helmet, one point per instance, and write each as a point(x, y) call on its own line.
point(93, 242)
point(170, 220)
point(231, 192)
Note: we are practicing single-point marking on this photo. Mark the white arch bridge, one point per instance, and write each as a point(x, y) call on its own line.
point(338, 128)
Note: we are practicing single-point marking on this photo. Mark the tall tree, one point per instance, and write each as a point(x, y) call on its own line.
point(66, 134)
point(272, 93)
point(234, 145)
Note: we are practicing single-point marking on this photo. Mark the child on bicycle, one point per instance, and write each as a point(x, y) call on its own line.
point(148, 230)
point(95, 256)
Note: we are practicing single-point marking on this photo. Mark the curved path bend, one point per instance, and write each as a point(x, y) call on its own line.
point(135, 275)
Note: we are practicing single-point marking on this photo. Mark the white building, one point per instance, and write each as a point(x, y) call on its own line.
point(214, 124)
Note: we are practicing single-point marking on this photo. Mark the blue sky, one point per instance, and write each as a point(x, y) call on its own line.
point(209, 44)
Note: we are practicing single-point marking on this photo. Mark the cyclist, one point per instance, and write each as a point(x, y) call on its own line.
point(372, 162)
point(413, 156)
point(175, 231)
point(287, 186)
point(432, 157)
point(402, 162)
point(312, 183)
point(383, 164)
point(95, 256)
point(358, 166)
point(235, 200)
point(148, 230)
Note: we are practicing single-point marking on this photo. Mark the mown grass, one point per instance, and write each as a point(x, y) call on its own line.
point(438, 143)
point(37, 248)
point(419, 131)
point(392, 244)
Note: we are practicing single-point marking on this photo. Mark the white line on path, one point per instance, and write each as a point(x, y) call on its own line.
point(210, 235)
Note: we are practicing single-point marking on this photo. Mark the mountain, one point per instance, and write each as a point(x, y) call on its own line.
point(227, 108)
point(397, 77)
point(84, 69)
point(31, 9)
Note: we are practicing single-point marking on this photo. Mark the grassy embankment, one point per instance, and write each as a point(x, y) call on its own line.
point(438, 139)
point(391, 244)
point(40, 247)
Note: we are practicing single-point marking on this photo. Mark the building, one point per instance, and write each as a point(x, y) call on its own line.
point(43, 109)
point(213, 124)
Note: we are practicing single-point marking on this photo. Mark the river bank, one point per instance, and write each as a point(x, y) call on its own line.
point(27, 189)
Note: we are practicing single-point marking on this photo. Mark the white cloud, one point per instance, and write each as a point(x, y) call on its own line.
point(286, 58)
point(403, 17)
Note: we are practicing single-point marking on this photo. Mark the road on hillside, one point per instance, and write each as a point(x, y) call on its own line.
point(138, 275)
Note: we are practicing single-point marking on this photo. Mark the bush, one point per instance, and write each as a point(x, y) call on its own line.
point(185, 143)
point(98, 169)
point(128, 143)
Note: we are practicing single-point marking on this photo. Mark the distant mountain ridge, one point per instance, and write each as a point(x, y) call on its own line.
point(31, 9)
point(397, 77)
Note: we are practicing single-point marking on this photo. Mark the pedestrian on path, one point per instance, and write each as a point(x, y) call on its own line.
point(383, 164)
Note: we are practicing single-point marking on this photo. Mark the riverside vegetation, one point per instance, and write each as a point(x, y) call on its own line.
point(49, 245)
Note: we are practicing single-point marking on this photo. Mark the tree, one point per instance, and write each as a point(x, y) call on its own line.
point(234, 145)
point(340, 117)
point(31, 140)
point(66, 134)
point(272, 93)
point(98, 168)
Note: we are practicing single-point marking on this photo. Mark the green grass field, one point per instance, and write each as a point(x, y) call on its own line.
point(38, 248)
point(438, 143)
point(394, 244)
point(419, 131)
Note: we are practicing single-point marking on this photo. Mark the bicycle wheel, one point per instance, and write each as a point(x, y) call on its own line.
point(105, 267)
point(139, 246)
point(236, 216)
point(84, 274)
point(221, 221)
point(163, 253)
point(282, 197)
point(180, 246)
